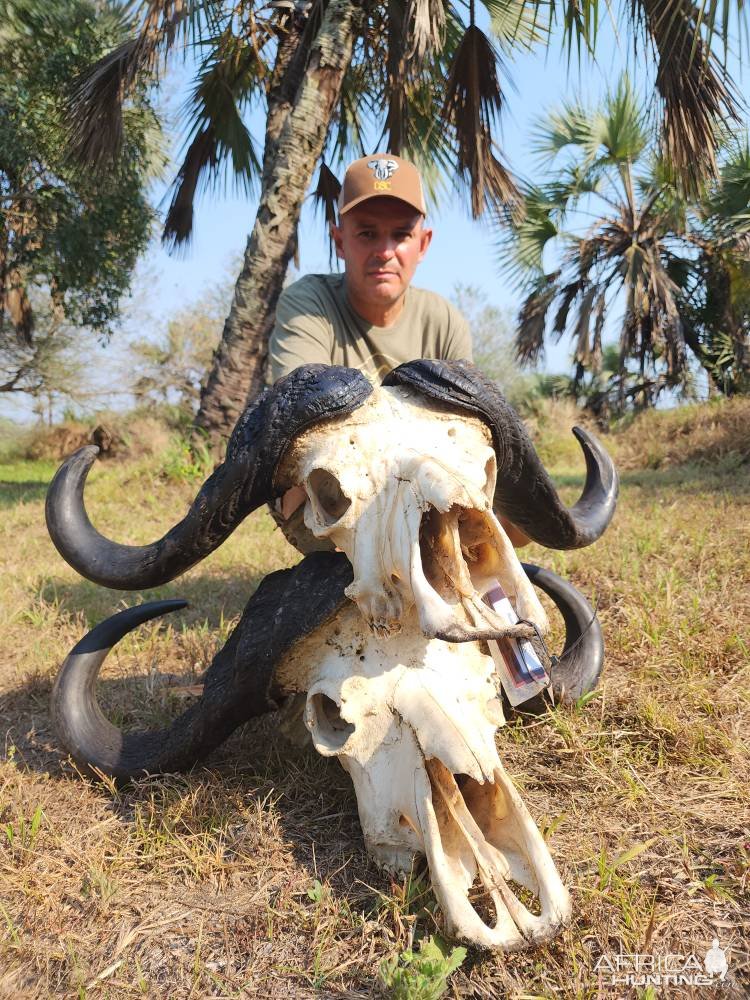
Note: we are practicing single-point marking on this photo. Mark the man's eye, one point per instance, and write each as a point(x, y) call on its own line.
point(367, 233)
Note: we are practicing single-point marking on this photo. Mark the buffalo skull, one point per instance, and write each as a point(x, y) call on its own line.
point(385, 639)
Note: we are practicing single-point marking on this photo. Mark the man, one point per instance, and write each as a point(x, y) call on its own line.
point(369, 317)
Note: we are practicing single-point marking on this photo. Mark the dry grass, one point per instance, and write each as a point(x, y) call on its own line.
point(718, 431)
point(141, 435)
point(248, 877)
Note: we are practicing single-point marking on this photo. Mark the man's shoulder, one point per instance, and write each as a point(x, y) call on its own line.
point(313, 289)
point(435, 306)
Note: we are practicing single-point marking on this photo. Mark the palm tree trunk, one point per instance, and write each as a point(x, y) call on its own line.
point(290, 156)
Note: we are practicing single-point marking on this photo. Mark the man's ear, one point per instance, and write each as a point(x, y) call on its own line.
point(425, 238)
point(337, 237)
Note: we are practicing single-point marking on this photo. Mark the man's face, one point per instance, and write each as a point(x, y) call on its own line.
point(381, 242)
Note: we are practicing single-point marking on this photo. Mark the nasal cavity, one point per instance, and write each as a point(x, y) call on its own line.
point(326, 490)
point(490, 478)
point(329, 728)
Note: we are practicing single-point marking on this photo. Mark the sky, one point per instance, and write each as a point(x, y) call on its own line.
point(463, 251)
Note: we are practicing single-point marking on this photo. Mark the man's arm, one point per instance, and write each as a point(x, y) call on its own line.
point(301, 334)
point(458, 341)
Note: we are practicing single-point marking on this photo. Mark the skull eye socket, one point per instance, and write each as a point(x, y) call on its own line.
point(327, 727)
point(330, 499)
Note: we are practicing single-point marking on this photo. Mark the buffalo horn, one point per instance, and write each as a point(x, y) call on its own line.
point(577, 669)
point(243, 481)
point(239, 684)
point(524, 493)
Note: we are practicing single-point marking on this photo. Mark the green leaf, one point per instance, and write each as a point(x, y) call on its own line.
point(315, 892)
point(421, 975)
point(631, 853)
point(586, 698)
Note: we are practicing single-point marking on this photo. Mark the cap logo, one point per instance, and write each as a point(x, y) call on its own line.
point(383, 169)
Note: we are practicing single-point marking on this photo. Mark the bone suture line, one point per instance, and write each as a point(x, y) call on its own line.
point(489, 859)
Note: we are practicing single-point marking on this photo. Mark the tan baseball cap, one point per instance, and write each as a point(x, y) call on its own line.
point(381, 175)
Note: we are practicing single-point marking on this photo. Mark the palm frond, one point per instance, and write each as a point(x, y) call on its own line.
point(425, 27)
point(572, 125)
point(583, 349)
point(326, 193)
point(532, 320)
point(524, 241)
point(616, 133)
point(201, 155)
point(727, 207)
point(422, 137)
point(95, 105)
point(567, 296)
point(231, 75)
point(228, 78)
point(695, 89)
point(625, 129)
point(600, 313)
point(347, 134)
point(384, 84)
point(580, 24)
point(574, 182)
point(734, 190)
point(666, 322)
point(652, 326)
point(472, 106)
point(517, 23)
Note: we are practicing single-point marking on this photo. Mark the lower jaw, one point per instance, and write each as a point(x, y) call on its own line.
point(458, 854)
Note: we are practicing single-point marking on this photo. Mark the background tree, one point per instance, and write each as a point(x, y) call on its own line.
point(605, 393)
point(170, 369)
point(62, 230)
point(715, 293)
point(645, 253)
point(421, 69)
point(53, 368)
point(491, 336)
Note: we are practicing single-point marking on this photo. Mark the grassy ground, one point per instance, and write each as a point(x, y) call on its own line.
point(248, 877)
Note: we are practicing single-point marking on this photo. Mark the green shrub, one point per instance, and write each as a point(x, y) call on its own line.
point(421, 975)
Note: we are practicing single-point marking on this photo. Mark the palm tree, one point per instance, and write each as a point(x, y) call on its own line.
point(604, 393)
point(628, 236)
point(715, 297)
point(321, 67)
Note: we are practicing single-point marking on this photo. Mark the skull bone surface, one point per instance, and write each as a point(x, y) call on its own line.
point(401, 695)
point(405, 489)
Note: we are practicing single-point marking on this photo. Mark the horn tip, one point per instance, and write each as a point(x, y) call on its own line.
point(85, 457)
point(581, 433)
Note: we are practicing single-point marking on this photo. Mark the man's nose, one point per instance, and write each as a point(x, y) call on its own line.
point(385, 249)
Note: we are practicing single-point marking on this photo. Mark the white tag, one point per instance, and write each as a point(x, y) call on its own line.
point(519, 668)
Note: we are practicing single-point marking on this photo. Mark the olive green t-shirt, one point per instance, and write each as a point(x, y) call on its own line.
point(315, 323)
